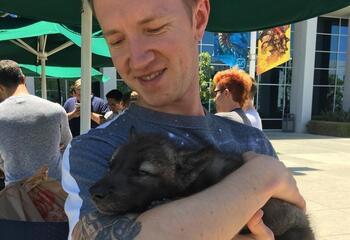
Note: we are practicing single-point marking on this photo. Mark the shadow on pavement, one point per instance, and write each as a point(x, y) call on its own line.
point(299, 171)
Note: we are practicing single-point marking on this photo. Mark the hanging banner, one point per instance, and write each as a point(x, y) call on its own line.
point(273, 48)
point(231, 49)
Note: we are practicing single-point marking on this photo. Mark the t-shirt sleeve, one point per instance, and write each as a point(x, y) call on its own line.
point(66, 135)
point(104, 108)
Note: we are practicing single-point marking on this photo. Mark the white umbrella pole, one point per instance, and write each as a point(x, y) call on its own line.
point(43, 78)
point(86, 33)
point(43, 57)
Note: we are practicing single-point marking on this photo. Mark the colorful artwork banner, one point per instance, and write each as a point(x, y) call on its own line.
point(273, 48)
point(231, 49)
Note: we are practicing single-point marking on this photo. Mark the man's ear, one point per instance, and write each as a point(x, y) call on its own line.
point(22, 79)
point(200, 18)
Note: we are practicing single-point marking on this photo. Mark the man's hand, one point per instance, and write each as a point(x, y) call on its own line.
point(259, 231)
point(282, 184)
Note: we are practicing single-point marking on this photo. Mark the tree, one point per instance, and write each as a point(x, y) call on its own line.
point(205, 73)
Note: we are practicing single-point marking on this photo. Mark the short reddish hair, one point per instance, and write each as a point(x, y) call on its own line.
point(237, 81)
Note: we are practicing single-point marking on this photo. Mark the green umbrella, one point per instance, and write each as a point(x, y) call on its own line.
point(46, 42)
point(61, 72)
point(226, 15)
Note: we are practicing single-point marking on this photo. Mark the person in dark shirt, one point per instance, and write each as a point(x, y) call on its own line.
point(72, 106)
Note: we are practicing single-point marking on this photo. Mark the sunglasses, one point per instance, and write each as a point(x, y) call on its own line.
point(215, 91)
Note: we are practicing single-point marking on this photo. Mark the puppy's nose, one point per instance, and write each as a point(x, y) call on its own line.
point(98, 193)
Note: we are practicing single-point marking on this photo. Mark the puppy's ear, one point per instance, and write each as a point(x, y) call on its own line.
point(192, 164)
point(132, 133)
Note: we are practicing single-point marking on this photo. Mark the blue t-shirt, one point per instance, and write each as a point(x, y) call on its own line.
point(98, 105)
point(87, 160)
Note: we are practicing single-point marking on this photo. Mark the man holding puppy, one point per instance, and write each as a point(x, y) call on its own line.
point(153, 45)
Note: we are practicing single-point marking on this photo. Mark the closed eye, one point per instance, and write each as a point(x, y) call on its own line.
point(156, 30)
point(116, 42)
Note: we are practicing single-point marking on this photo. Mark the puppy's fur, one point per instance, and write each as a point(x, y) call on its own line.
point(150, 168)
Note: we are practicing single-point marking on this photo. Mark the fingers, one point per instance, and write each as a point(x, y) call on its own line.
point(258, 229)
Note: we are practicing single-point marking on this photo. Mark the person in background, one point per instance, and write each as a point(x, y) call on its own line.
point(129, 98)
point(231, 92)
point(250, 110)
point(33, 131)
point(153, 45)
point(72, 106)
point(115, 104)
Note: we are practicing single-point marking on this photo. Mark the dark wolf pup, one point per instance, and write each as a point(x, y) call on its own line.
point(149, 168)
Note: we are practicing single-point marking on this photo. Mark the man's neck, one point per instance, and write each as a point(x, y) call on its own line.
point(180, 108)
point(21, 90)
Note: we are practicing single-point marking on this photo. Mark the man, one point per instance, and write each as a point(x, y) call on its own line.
point(250, 110)
point(115, 104)
point(232, 89)
point(33, 130)
point(153, 45)
point(72, 106)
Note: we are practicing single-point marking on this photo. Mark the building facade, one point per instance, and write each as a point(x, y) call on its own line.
point(315, 80)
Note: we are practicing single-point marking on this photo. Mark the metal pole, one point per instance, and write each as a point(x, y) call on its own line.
point(86, 33)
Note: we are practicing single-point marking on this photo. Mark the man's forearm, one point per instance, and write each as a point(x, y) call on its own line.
point(70, 115)
point(105, 227)
point(97, 118)
point(216, 213)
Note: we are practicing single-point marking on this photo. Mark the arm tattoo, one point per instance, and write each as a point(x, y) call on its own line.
point(103, 227)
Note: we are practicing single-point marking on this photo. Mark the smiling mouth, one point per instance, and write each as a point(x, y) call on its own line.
point(151, 76)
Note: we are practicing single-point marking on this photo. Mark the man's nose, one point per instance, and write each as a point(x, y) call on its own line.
point(141, 54)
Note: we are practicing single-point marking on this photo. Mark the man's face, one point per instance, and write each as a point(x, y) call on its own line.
point(114, 105)
point(153, 45)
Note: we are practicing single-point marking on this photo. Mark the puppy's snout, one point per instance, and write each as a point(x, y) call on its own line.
point(99, 192)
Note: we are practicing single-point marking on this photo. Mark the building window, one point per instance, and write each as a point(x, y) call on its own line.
point(330, 62)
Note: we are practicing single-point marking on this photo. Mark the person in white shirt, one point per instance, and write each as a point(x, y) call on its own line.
point(249, 109)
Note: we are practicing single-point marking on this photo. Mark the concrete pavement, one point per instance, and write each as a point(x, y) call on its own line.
point(321, 166)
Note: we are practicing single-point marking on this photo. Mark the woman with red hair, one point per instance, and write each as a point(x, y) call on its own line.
point(231, 92)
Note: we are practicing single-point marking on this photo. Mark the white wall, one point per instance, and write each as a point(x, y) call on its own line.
point(303, 72)
point(111, 83)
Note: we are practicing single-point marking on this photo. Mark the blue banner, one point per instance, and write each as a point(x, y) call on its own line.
point(231, 49)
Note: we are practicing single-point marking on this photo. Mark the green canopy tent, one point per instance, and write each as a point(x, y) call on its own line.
point(226, 15)
point(46, 42)
point(61, 72)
